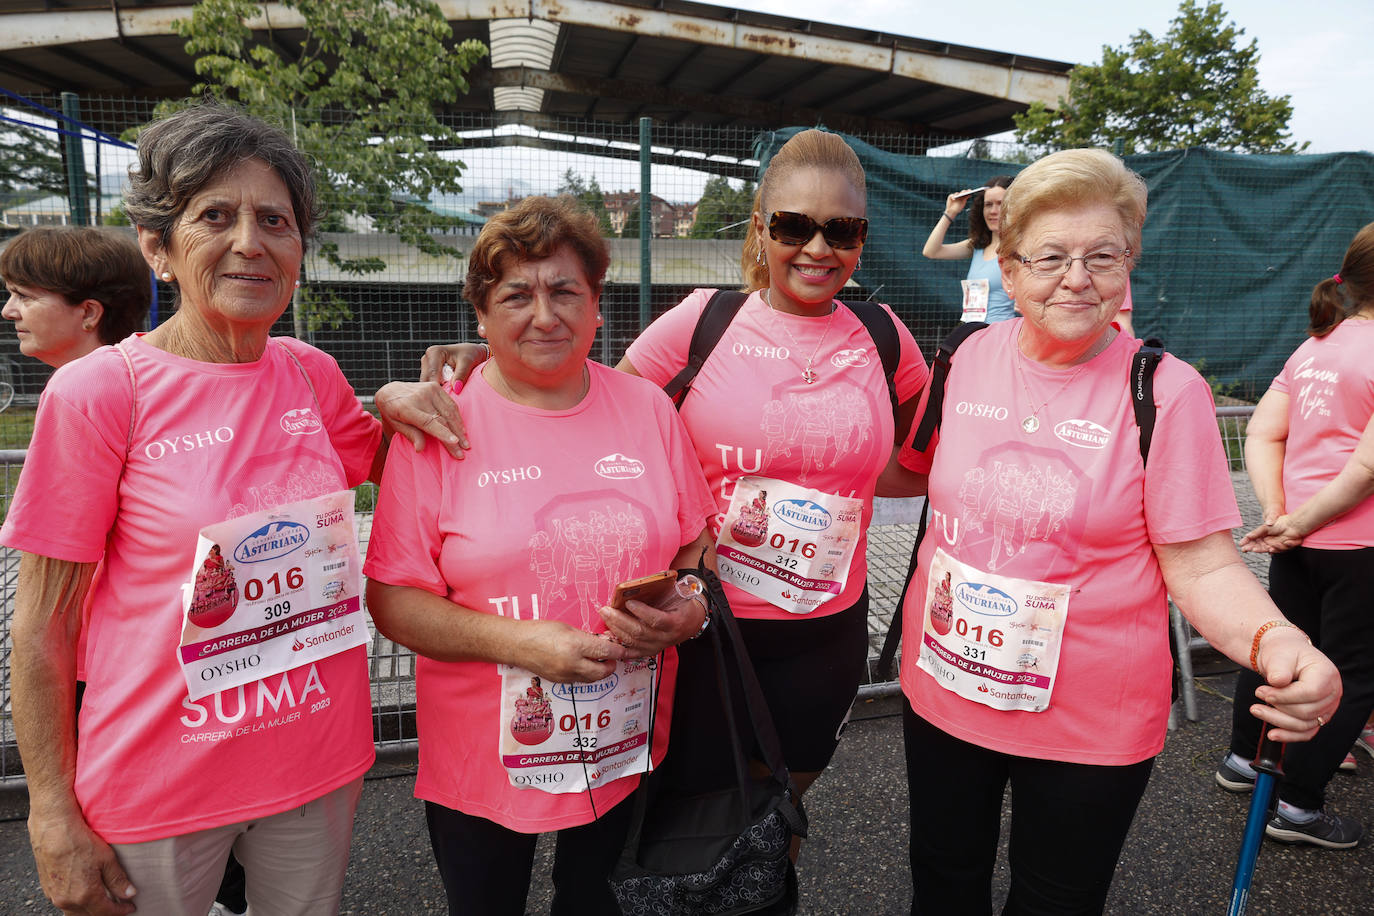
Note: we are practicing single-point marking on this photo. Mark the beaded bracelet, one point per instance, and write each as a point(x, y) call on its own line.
point(1259, 634)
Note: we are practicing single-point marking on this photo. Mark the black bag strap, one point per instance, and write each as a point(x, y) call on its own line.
point(939, 372)
point(881, 329)
point(720, 310)
point(1143, 366)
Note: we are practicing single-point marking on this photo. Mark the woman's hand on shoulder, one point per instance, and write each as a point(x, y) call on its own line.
point(460, 359)
point(1302, 687)
point(419, 410)
point(558, 652)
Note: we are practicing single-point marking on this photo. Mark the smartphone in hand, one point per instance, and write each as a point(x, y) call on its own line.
point(650, 589)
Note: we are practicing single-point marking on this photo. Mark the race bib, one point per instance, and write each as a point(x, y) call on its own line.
point(975, 300)
point(270, 592)
point(574, 737)
point(787, 544)
point(992, 639)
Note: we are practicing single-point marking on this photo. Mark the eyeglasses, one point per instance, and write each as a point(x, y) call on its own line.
point(798, 229)
point(1104, 260)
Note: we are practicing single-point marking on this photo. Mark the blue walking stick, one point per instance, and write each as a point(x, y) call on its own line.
point(1266, 766)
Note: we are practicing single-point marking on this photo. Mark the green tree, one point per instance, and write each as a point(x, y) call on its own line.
point(30, 159)
point(631, 228)
point(722, 211)
point(358, 93)
point(1196, 86)
point(589, 192)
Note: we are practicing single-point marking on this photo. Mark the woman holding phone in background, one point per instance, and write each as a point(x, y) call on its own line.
point(984, 298)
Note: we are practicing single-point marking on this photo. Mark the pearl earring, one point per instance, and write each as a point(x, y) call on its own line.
point(166, 276)
point(298, 284)
point(481, 329)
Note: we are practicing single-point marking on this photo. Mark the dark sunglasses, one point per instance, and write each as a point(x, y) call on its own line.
point(798, 229)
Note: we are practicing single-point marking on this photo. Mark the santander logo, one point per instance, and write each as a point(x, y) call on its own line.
point(843, 359)
point(616, 466)
point(301, 422)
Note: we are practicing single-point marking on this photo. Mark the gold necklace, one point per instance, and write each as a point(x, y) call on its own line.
point(1031, 422)
point(808, 374)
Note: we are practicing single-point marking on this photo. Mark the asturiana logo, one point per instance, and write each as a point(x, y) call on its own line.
point(620, 467)
point(1084, 433)
point(593, 691)
point(845, 358)
point(301, 422)
point(275, 539)
point(985, 600)
point(802, 513)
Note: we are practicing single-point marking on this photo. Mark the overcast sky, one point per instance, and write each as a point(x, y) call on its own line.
point(1317, 52)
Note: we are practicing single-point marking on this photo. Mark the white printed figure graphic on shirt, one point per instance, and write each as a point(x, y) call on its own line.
point(541, 561)
point(1015, 504)
point(594, 549)
point(293, 485)
point(824, 428)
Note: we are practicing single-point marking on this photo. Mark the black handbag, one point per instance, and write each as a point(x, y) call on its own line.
point(695, 849)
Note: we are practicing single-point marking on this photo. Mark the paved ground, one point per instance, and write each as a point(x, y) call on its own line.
point(1178, 859)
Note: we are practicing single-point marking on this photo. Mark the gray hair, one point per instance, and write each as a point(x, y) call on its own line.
point(180, 154)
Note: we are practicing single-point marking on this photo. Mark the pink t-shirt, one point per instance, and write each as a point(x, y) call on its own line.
point(1330, 386)
point(750, 412)
point(548, 512)
point(1071, 504)
point(208, 445)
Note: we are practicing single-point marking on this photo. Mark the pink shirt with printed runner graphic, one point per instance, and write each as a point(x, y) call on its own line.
point(542, 519)
point(212, 441)
point(750, 412)
point(1070, 503)
point(1330, 386)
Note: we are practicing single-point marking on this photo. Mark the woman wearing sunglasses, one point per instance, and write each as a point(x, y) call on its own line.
point(792, 423)
point(792, 403)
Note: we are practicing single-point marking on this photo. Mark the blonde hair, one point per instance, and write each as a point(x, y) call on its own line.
point(1073, 178)
point(810, 149)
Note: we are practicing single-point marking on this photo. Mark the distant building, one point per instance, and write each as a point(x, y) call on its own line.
point(667, 219)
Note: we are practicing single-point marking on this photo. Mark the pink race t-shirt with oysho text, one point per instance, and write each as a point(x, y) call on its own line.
point(546, 514)
point(1330, 386)
point(750, 412)
point(1073, 505)
point(210, 441)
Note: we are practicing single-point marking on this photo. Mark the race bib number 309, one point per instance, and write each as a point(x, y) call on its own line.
point(270, 592)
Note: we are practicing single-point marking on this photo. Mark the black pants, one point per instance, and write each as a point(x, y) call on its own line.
point(486, 867)
point(1330, 594)
point(1068, 824)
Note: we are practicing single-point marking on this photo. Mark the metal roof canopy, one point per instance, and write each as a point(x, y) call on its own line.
point(678, 62)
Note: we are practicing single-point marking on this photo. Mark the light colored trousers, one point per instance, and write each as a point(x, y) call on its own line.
point(295, 861)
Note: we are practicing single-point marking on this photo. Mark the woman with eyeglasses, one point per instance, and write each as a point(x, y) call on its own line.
point(984, 297)
point(1036, 625)
point(792, 422)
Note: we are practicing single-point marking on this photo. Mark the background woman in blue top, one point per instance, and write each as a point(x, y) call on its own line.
point(985, 216)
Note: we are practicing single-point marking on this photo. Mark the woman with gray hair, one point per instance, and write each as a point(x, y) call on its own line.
point(206, 467)
point(1036, 625)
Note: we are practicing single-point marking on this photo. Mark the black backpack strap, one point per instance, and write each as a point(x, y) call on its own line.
point(1143, 366)
point(715, 318)
point(935, 402)
point(894, 630)
point(930, 421)
point(881, 329)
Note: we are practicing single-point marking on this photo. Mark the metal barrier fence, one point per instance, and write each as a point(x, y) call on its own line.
point(392, 667)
